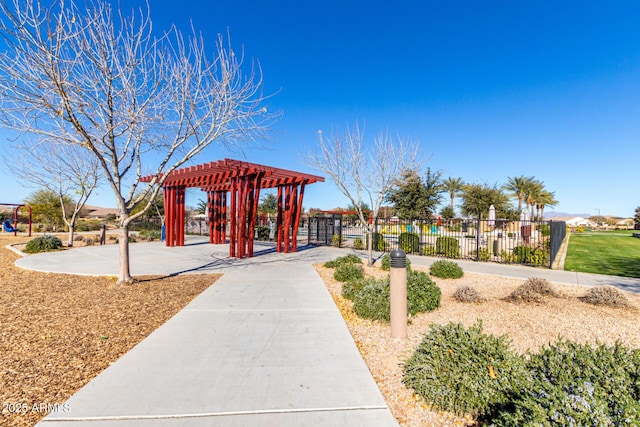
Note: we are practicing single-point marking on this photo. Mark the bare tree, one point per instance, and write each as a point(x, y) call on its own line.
point(364, 174)
point(68, 171)
point(94, 78)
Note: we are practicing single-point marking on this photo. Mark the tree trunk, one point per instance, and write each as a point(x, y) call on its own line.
point(124, 276)
point(370, 245)
point(70, 239)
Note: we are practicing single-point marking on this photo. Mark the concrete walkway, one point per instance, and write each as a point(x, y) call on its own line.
point(264, 346)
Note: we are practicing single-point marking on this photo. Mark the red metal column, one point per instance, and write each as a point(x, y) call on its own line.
point(287, 219)
point(242, 217)
point(223, 216)
point(295, 218)
point(253, 211)
point(233, 236)
point(211, 215)
point(169, 207)
point(279, 230)
point(218, 222)
point(180, 217)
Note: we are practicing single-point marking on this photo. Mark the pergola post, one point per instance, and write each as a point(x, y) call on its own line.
point(223, 217)
point(296, 218)
point(211, 215)
point(169, 208)
point(279, 225)
point(233, 237)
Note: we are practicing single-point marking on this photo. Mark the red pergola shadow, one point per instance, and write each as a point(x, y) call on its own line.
point(236, 184)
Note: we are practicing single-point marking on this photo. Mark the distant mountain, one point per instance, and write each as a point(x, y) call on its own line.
point(551, 215)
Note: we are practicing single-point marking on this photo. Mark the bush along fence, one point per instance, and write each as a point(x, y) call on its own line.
point(535, 243)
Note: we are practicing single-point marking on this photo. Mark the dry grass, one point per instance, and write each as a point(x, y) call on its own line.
point(528, 325)
point(59, 331)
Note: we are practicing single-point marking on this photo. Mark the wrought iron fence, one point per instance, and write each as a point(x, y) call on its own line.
point(522, 242)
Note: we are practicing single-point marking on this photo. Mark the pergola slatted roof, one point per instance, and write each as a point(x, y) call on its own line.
point(217, 175)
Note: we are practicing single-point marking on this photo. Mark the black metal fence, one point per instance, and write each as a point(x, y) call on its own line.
point(522, 242)
point(193, 225)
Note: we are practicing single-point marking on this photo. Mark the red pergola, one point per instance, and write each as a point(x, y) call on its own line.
point(236, 185)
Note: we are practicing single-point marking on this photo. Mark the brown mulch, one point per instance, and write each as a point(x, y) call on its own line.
point(529, 326)
point(59, 331)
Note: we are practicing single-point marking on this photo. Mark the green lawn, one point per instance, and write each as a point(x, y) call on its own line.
point(613, 253)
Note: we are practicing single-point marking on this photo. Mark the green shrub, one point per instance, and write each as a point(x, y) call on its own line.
point(446, 270)
point(464, 371)
point(448, 246)
point(483, 254)
point(347, 259)
point(428, 250)
point(409, 242)
point(43, 244)
point(348, 272)
point(379, 244)
point(263, 233)
point(385, 263)
point(467, 294)
point(373, 300)
point(351, 288)
point(527, 255)
point(544, 230)
point(337, 240)
point(521, 254)
point(605, 295)
point(578, 385)
point(506, 256)
point(422, 293)
point(150, 234)
point(88, 225)
point(357, 244)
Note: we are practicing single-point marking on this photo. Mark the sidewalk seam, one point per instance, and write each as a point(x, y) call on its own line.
point(215, 414)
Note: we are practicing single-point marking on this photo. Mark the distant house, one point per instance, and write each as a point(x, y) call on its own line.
point(580, 221)
point(627, 223)
point(98, 212)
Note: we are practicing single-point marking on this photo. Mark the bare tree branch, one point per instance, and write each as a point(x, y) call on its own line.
point(103, 81)
point(363, 173)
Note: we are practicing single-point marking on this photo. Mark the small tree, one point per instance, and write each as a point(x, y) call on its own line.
point(478, 198)
point(46, 206)
point(363, 173)
point(414, 197)
point(69, 172)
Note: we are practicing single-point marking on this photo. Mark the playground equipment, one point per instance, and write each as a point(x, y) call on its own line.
point(7, 223)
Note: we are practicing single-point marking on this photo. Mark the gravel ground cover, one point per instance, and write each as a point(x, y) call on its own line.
point(529, 326)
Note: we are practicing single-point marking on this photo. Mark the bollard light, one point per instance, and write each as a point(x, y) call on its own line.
point(398, 297)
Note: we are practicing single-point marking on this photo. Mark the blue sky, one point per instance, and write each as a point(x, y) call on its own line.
point(490, 89)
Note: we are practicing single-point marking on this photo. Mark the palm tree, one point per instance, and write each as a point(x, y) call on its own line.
point(453, 186)
point(532, 194)
point(545, 198)
point(518, 187)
